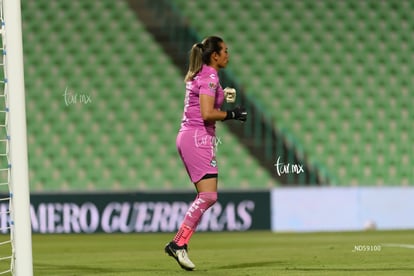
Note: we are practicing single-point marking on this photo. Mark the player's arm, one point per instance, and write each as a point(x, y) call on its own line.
point(209, 113)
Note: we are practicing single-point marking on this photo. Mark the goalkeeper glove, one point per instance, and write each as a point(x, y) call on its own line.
point(238, 113)
point(230, 94)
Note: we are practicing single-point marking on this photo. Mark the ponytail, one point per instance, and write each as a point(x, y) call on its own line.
point(200, 54)
point(196, 61)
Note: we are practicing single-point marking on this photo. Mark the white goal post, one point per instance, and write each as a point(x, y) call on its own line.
point(19, 176)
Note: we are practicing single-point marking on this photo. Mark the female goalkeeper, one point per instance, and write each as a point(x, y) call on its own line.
point(196, 137)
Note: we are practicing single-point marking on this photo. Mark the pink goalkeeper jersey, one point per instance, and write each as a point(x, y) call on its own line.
point(205, 82)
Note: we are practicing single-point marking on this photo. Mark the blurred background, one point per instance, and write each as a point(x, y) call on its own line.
point(328, 85)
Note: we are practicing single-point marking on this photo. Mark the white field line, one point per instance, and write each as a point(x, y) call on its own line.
point(400, 245)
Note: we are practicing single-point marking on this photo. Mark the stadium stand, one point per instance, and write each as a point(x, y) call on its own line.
point(104, 104)
point(336, 75)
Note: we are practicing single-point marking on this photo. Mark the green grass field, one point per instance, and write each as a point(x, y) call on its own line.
point(247, 253)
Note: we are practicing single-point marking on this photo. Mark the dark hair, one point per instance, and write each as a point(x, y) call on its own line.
point(200, 54)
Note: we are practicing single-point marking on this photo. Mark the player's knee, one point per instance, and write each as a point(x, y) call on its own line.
point(209, 197)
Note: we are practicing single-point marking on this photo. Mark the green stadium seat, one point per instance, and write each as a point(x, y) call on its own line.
point(332, 75)
point(353, 55)
point(125, 138)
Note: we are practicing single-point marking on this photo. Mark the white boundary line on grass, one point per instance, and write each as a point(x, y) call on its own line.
point(401, 245)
